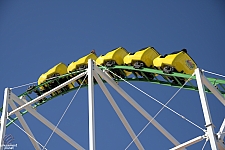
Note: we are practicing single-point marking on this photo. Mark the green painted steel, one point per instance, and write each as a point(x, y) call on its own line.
point(141, 75)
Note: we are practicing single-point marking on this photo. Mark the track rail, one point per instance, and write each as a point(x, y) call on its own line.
point(140, 75)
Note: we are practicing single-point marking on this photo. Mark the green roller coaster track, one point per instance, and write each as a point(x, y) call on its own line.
point(138, 75)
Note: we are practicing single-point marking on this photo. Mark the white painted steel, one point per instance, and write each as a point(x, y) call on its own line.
point(213, 89)
point(4, 116)
point(221, 135)
point(189, 143)
point(206, 110)
point(221, 145)
point(118, 112)
point(91, 105)
point(137, 106)
point(221, 132)
point(47, 123)
point(25, 126)
point(47, 93)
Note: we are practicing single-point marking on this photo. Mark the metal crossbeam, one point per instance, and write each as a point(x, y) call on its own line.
point(221, 132)
point(189, 143)
point(48, 123)
point(119, 112)
point(137, 106)
point(47, 93)
point(25, 126)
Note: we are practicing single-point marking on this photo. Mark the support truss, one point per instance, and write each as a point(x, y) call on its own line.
point(216, 140)
point(10, 98)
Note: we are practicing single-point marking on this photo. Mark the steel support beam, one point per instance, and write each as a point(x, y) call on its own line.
point(118, 112)
point(136, 105)
point(25, 127)
point(189, 143)
point(221, 132)
point(7, 96)
point(47, 93)
point(221, 135)
point(91, 105)
point(213, 89)
point(206, 111)
point(47, 123)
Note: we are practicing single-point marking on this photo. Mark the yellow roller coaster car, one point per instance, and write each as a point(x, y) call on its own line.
point(112, 58)
point(81, 64)
point(178, 61)
point(57, 70)
point(142, 58)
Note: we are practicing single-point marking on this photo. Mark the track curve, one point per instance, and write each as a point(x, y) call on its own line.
point(142, 76)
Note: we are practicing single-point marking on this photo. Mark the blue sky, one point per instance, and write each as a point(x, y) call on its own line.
point(36, 35)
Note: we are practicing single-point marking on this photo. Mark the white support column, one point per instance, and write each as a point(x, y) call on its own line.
point(47, 93)
point(137, 106)
point(91, 105)
point(189, 143)
point(4, 116)
point(25, 126)
point(209, 124)
point(47, 123)
point(118, 112)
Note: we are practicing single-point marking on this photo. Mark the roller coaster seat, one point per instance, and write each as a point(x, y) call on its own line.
point(178, 61)
point(114, 57)
point(143, 56)
point(57, 70)
point(81, 63)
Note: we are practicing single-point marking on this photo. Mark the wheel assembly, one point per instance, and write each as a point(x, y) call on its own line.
point(138, 65)
point(168, 69)
point(110, 63)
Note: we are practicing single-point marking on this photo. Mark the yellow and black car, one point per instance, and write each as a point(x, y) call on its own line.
point(57, 70)
point(112, 58)
point(80, 65)
point(178, 61)
point(142, 58)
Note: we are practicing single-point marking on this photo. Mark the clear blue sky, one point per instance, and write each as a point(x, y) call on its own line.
point(36, 35)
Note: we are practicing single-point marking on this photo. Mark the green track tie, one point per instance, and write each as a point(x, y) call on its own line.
point(135, 74)
point(177, 81)
point(156, 78)
point(189, 82)
point(165, 77)
point(29, 97)
point(222, 86)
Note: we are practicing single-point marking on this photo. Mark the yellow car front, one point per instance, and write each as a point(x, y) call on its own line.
point(58, 70)
point(184, 63)
point(81, 63)
point(175, 62)
point(114, 57)
point(144, 57)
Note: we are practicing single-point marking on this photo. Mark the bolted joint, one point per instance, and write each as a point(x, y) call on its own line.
point(211, 124)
